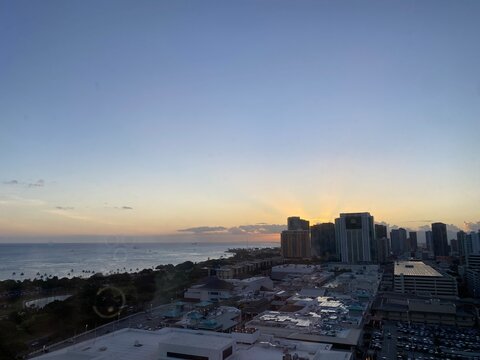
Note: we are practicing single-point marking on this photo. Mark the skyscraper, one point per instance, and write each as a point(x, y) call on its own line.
point(380, 231)
point(296, 244)
point(323, 241)
point(439, 237)
point(355, 234)
point(453, 247)
point(429, 240)
point(382, 243)
point(382, 249)
point(398, 237)
point(412, 241)
point(473, 243)
point(296, 223)
point(461, 243)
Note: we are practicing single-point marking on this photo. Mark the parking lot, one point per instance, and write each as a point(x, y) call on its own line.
point(403, 341)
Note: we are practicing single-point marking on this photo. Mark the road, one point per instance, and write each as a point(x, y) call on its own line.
point(389, 346)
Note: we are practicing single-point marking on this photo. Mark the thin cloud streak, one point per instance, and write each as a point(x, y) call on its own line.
point(255, 229)
point(15, 182)
point(11, 182)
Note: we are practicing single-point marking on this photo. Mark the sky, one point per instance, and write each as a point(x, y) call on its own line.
point(152, 117)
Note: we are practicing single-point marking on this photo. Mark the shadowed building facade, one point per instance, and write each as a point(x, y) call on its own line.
point(382, 243)
point(398, 237)
point(429, 240)
point(439, 238)
point(296, 244)
point(412, 241)
point(324, 241)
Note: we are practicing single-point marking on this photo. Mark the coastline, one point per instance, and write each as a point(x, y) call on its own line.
point(68, 260)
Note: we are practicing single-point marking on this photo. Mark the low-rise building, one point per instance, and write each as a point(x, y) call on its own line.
point(416, 277)
point(174, 344)
point(210, 289)
point(222, 318)
point(243, 268)
point(281, 271)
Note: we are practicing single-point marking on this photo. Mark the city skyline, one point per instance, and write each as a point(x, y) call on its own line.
point(146, 120)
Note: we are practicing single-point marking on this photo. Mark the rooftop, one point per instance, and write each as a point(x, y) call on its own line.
point(414, 268)
point(297, 268)
point(197, 339)
point(274, 350)
point(132, 344)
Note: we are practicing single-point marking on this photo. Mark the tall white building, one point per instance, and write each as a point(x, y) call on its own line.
point(355, 233)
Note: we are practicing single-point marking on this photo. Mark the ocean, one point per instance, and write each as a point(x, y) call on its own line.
point(27, 261)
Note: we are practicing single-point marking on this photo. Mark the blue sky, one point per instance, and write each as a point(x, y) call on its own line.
point(228, 113)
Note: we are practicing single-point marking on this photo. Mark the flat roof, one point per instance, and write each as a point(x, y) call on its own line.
point(267, 351)
point(120, 345)
point(198, 340)
point(414, 268)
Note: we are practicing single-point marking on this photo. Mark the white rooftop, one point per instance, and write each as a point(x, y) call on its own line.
point(120, 345)
point(266, 350)
point(414, 268)
point(197, 339)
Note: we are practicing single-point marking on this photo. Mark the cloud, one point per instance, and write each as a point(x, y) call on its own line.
point(425, 228)
point(471, 226)
point(453, 228)
point(64, 207)
point(38, 183)
point(119, 207)
point(72, 215)
point(204, 229)
point(11, 182)
point(260, 228)
point(15, 200)
point(418, 221)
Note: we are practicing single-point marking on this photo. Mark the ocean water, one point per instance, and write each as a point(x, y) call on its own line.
point(75, 259)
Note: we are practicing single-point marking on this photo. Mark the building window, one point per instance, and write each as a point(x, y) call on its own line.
point(186, 356)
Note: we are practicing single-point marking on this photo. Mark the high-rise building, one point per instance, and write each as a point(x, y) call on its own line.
point(472, 241)
point(380, 231)
point(429, 240)
point(383, 249)
point(439, 236)
point(323, 241)
point(453, 247)
point(472, 274)
point(296, 244)
point(382, 243)
point(412, 241)
point(398, 238)
point(355, 233)
point(296, 223)
point(461, 235)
